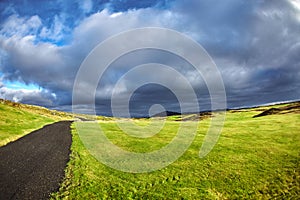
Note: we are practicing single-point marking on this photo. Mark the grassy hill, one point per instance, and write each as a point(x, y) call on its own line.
point(255, 158)
point(17, 120)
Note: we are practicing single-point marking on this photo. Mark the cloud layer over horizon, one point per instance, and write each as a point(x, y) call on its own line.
point(255, 45)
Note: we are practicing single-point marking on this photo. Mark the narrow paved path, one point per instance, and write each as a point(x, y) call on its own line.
point(33, 166)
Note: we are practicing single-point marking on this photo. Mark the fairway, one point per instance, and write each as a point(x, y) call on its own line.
point(255, 158)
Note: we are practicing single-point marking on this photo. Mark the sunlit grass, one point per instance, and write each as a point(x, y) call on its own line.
point(17, 120)
point(15, 123)
point(255, 158)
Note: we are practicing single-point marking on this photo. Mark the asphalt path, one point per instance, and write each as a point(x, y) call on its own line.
point(33, 166)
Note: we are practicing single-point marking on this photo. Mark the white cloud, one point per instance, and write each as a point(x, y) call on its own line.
point(38, 97)
point(9, 10)
point(56, 31)
point(86, 5)
point(27, 57)
point(21, 26)
point(296, 5)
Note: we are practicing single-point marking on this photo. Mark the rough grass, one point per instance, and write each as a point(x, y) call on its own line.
point(17, 120)
point(255, 158)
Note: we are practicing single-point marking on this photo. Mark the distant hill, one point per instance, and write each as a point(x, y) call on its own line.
point(37, 110)
point(280, 108)
point(289, 108)
point(166, 114)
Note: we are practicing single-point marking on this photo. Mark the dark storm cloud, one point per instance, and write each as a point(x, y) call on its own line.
point(255, 45)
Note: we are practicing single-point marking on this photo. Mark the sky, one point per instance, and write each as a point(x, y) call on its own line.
point(254, 44)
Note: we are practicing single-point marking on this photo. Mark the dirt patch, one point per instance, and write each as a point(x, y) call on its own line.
point(196, 117)
point(33, 166)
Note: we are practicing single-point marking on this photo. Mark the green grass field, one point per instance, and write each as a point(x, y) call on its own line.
point(17, 120)
point(255, 158)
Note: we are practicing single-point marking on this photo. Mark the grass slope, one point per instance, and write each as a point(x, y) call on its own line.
point(17, 120)
point(255, 158)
